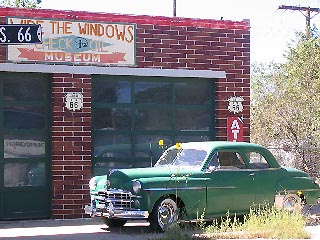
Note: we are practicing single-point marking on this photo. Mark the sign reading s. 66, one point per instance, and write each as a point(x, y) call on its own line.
point(20, 34)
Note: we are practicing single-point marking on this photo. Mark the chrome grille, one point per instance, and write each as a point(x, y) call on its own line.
point(119, 198)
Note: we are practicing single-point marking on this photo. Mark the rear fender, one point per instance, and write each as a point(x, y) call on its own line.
point(304, 187)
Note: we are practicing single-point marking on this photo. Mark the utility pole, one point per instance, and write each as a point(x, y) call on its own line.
point(174, 8)
point(306, 11)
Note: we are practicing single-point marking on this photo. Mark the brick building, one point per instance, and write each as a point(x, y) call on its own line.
point(99, 93)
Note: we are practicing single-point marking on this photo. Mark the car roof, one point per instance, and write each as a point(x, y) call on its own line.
point(233, 146)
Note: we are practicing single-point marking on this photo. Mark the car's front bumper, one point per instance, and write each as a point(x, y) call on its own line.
point(101, 210)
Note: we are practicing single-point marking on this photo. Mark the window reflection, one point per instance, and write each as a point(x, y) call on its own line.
point(24, 89)
point(153, 139)
point(111, 91)
point(112, 118)
point(115, 146)
point(24, 174)
point(103, 168)
point(192, 92)
point(127, 111)
point(24, 117)
point(257, 161)
point(152, 92)
point(147, 146)
point(192, 119)
point(23, 146)
point(153, 119)
point(192, 138)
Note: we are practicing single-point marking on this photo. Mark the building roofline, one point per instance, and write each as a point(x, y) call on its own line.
point(117, 17)
point(120, 71)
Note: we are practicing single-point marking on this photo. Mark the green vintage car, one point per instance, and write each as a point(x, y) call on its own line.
point(199, 178)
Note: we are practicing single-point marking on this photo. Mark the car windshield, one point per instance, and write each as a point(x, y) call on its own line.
point(182, 157)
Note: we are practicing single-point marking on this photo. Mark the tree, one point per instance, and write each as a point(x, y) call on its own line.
point(286, 99)
point(20, 3)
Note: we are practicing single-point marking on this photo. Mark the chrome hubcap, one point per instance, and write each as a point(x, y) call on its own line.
point(167, 213)
point(290, 204)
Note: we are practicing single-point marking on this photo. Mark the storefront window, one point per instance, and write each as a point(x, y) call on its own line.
point(131, 114)
point(153, 119)
point(112, 146)
point(147, 149)
point(192, 92)
point(24, 174)
point(103, 168)
point(111, 91)
point(112, 152)
point(112, 118)
point(23, 89)
point(152, 92)
point(147, 146)
point(24, 117)
point(201, 138)
point(192, 119)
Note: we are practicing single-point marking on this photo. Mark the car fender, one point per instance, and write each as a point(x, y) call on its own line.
point(190, 191)
point(301, 186)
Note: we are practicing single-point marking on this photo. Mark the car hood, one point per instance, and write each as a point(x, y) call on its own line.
point(136, 173)
point(122, 177)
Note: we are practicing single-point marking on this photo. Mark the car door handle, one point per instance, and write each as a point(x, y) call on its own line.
point(251, 174)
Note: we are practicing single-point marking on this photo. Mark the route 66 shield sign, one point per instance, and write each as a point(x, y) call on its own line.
point(235, 104)
point(74, 101)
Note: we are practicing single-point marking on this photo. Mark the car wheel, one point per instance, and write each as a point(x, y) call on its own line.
point(292, 202)
point(164, 214)
point(114, 222)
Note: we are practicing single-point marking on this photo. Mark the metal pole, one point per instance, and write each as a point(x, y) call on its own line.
point(174, 8)
point(307, 15)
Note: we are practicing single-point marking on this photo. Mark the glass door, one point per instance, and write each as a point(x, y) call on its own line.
point(25, 154)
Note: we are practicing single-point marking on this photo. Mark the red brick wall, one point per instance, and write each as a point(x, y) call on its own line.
point(161, 42)
point(71, 147)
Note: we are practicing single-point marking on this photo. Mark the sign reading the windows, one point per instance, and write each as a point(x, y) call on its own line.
point(74, 101)
point(77, 42)
point(235, 129)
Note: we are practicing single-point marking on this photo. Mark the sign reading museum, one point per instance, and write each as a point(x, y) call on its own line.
point(77, 42)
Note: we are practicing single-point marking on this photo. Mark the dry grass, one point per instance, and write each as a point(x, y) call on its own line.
point(261, 222)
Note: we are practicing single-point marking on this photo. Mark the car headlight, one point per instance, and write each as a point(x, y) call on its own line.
point(93, 183)
point(136, 186)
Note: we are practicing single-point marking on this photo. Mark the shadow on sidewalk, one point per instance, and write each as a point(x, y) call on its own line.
point(74, 229)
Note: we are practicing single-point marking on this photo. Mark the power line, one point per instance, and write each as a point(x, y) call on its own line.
point(306, 11)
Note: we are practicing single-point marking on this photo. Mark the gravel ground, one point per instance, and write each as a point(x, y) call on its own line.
point(94, 229)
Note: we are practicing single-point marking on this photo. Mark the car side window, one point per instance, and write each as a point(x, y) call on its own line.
point(257, 161)
point(214, 162)
point(231, 160)
point(226, 160)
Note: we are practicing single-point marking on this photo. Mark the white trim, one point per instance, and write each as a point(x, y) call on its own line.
point(152, 72)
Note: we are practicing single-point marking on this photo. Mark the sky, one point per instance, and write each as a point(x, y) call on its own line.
point(272, 30)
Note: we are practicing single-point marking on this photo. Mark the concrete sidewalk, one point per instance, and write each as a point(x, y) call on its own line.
point(84, 229)
point(74, 229)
